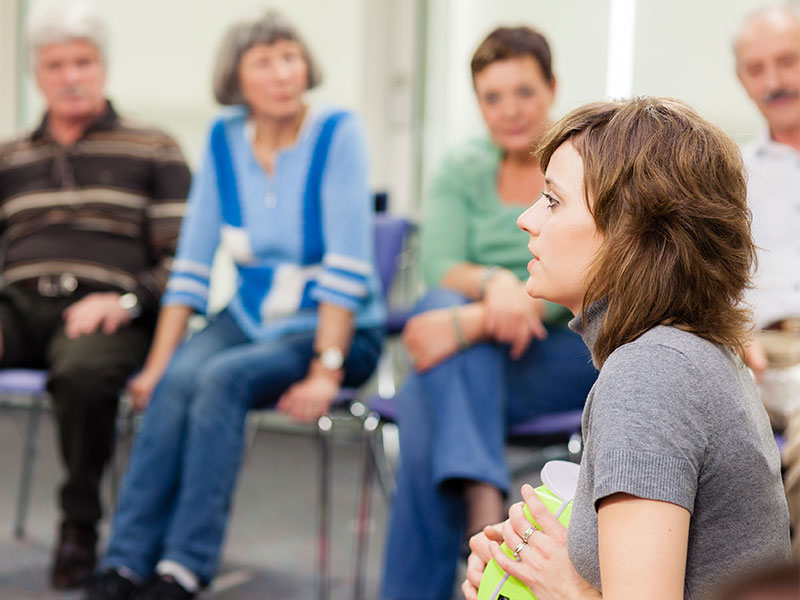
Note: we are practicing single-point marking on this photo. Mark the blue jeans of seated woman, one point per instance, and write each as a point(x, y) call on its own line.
point(453, 421)
point(177, 492)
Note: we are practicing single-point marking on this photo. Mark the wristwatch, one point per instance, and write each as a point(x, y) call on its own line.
point(130, 303)
point(332, 358)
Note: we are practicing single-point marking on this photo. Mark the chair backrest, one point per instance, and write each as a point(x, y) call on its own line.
point(390, 235)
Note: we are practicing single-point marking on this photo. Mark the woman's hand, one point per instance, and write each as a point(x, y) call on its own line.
point(430, 338)
point(141, 387)
point(479, 557)
point(544, 565)
point(309, 398)
point(512, 317)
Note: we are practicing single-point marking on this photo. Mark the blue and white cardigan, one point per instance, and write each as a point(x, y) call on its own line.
point(299, 236)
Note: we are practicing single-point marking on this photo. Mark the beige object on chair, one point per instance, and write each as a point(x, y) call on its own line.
point(780, 383)
point(791, 478)
point(780, 392)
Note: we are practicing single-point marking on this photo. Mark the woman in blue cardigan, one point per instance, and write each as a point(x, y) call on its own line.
point(283, 189)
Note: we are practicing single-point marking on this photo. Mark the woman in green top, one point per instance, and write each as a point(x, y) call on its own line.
point(485, 353)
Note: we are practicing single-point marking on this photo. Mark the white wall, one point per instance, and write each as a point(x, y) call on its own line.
point(8, 67)
point(684, 49)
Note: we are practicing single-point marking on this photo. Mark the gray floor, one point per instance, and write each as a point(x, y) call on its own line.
point(270, 552)
point(271, 547)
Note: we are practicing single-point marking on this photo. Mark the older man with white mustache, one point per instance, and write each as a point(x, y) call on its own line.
point(90, 209)
point(767, 50)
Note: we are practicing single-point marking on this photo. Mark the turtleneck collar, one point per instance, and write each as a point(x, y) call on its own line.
point(589, 327)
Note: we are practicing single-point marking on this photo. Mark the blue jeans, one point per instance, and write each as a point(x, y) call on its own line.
point(453, 421)
point(177, 492)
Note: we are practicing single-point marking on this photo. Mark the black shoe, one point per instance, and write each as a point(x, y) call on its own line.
point(110, 586)
point(163, 587)
point(75, 556)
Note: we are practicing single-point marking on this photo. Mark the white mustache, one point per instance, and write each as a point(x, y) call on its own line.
point(71, 91)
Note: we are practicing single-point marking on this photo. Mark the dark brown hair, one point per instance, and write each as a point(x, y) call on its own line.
point(668, 195)
point(512, 42)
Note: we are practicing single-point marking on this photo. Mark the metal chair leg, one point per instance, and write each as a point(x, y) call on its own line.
point(363, 515)
point(383, 468)
point(122, 451)
point(26, 476)
point(324, 425)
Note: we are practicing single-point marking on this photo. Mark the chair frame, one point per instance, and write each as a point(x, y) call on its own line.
point(325, 425)
point(26, 390)
point(553, 437)
point(30, 396)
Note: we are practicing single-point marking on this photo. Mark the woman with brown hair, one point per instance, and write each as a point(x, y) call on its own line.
point(485, 353)
point(643, 232)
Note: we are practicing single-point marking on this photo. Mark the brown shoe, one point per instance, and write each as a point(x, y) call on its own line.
point(75, 556)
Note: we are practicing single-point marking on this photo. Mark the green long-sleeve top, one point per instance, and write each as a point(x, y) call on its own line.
point(466, 221)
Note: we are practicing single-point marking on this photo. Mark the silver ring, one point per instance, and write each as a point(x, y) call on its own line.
point(518, 549)
point(528, 533)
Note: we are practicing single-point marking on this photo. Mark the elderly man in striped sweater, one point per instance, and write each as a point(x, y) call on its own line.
point(90, 209)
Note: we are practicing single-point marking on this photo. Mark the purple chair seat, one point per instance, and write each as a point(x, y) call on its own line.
point(396, 319)
point(23, 381)
point(346, 396)
point(563, 423)
point(31, 383)
point(535, 431)
point(385, 407)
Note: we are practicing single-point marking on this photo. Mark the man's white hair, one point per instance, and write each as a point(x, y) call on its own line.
point(57, 21)
point(771, 12)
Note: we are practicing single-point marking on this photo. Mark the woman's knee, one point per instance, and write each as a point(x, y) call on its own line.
point(221, 387)
point(178, 382)
point(440, 297)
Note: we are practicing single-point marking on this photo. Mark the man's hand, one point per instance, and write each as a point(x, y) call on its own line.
point(430, 338)
point(100, 310)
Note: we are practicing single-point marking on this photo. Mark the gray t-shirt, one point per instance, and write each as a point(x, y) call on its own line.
point(673, 417)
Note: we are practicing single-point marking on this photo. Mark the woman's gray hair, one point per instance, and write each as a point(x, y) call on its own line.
point(58, 21)
point(267, 28)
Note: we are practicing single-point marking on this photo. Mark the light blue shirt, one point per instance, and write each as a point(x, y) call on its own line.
point(278, 289)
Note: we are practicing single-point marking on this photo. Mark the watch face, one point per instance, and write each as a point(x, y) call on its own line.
point(332, 358)
point(128, 301)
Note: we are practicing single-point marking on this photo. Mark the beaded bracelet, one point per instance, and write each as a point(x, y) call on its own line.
point(459, 331)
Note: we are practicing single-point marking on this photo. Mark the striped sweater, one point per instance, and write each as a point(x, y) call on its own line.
point(290, 253)
point(106, 209)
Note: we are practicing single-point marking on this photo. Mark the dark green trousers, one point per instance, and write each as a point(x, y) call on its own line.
point(86, 376)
